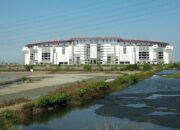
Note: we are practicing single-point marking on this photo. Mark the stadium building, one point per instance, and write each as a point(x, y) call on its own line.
point(98, 50)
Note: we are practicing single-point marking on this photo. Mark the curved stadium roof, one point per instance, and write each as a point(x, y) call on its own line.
point(118, 39)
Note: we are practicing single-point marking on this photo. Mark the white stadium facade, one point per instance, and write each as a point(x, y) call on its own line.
point(98, 50)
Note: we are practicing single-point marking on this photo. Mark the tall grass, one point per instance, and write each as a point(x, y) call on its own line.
point(132, 67)
point(53, 100)
point(28, 67)
point(147, 67)
point(87, 67)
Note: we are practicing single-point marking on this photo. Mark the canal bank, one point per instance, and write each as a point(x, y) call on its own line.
point(81, 95)
point(40, 83)
point(149, 104)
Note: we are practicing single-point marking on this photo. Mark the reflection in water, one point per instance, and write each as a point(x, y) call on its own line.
point(135, 105)
point(157, 100)
point(150, 104)
point(160, 113)
point(155, 96)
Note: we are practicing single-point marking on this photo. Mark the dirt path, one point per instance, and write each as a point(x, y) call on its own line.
point(49, 82)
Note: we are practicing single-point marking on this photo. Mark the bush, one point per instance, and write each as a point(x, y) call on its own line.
point(132, 67)
point(28, 67)
point(10, 116)
point(129, 79)
point(23, 79)
point(113, 67)
point(54, 100)
point(82, 91)
point(147, 67)
point(87, 67)
point(102, 85)
point(100, 67)
point(173, 65)
point(28, 108)
point(134, 78)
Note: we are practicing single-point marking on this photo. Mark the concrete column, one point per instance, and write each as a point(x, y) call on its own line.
point(114, 54)
point(72, 44)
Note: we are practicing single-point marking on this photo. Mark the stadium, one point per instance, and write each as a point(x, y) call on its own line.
point(98, 50)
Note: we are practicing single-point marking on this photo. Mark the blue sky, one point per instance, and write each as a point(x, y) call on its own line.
point(28, 21)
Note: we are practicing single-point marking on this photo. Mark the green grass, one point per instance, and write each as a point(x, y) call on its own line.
point(53, 100)
point(131, 67)
point(8, 118)
point(177, 75)
point(147, 67)
point(28, 67)
point(87, 67)
point(82, 92)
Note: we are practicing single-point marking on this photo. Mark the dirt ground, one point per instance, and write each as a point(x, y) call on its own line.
point(46, 82)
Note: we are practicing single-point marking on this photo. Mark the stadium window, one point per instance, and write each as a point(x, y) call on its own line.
point(32, 56)
point(143, 55)
point(63, 50)
point(161, 56)
point(45, 56)
point(124, 50)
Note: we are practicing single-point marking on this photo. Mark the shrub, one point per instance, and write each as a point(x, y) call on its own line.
point(147, 67)
point(82, 91)
point(134, 78)
point(113, 67)
point(23, 79)
point(102, 85)
point(10, 116)
point(28, 67)
point(124, 79)
point(54, 100)
point(100, 67)
point(28, 108)
point(87, 67)
point(132, 67)
point(68, 68)
point(173, 65)
point(129, 79)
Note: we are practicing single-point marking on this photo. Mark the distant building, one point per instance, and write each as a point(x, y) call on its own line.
point(98, 50)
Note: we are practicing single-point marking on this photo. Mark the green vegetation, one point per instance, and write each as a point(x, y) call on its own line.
point(87, 67)
point(131, 67)
point(101, 85)
point(28, 108)
point(72, 96)
point(147, 67)
point(53, 100)
point(28, 67)
point(113, 67)
point(8, 118)
point(82, 92)
point(176, 65)
point(24, 79)
point(129, 79)
point(177, 75)
point(171, 66)
point(100, 67)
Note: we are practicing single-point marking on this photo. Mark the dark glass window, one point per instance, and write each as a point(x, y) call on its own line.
point(45, 56)
point(160, 55)
point(31, 56)
point(63, 50)
point(124, 50)
point(143, 55)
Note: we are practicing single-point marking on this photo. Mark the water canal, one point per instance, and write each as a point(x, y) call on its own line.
point(150, 104)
